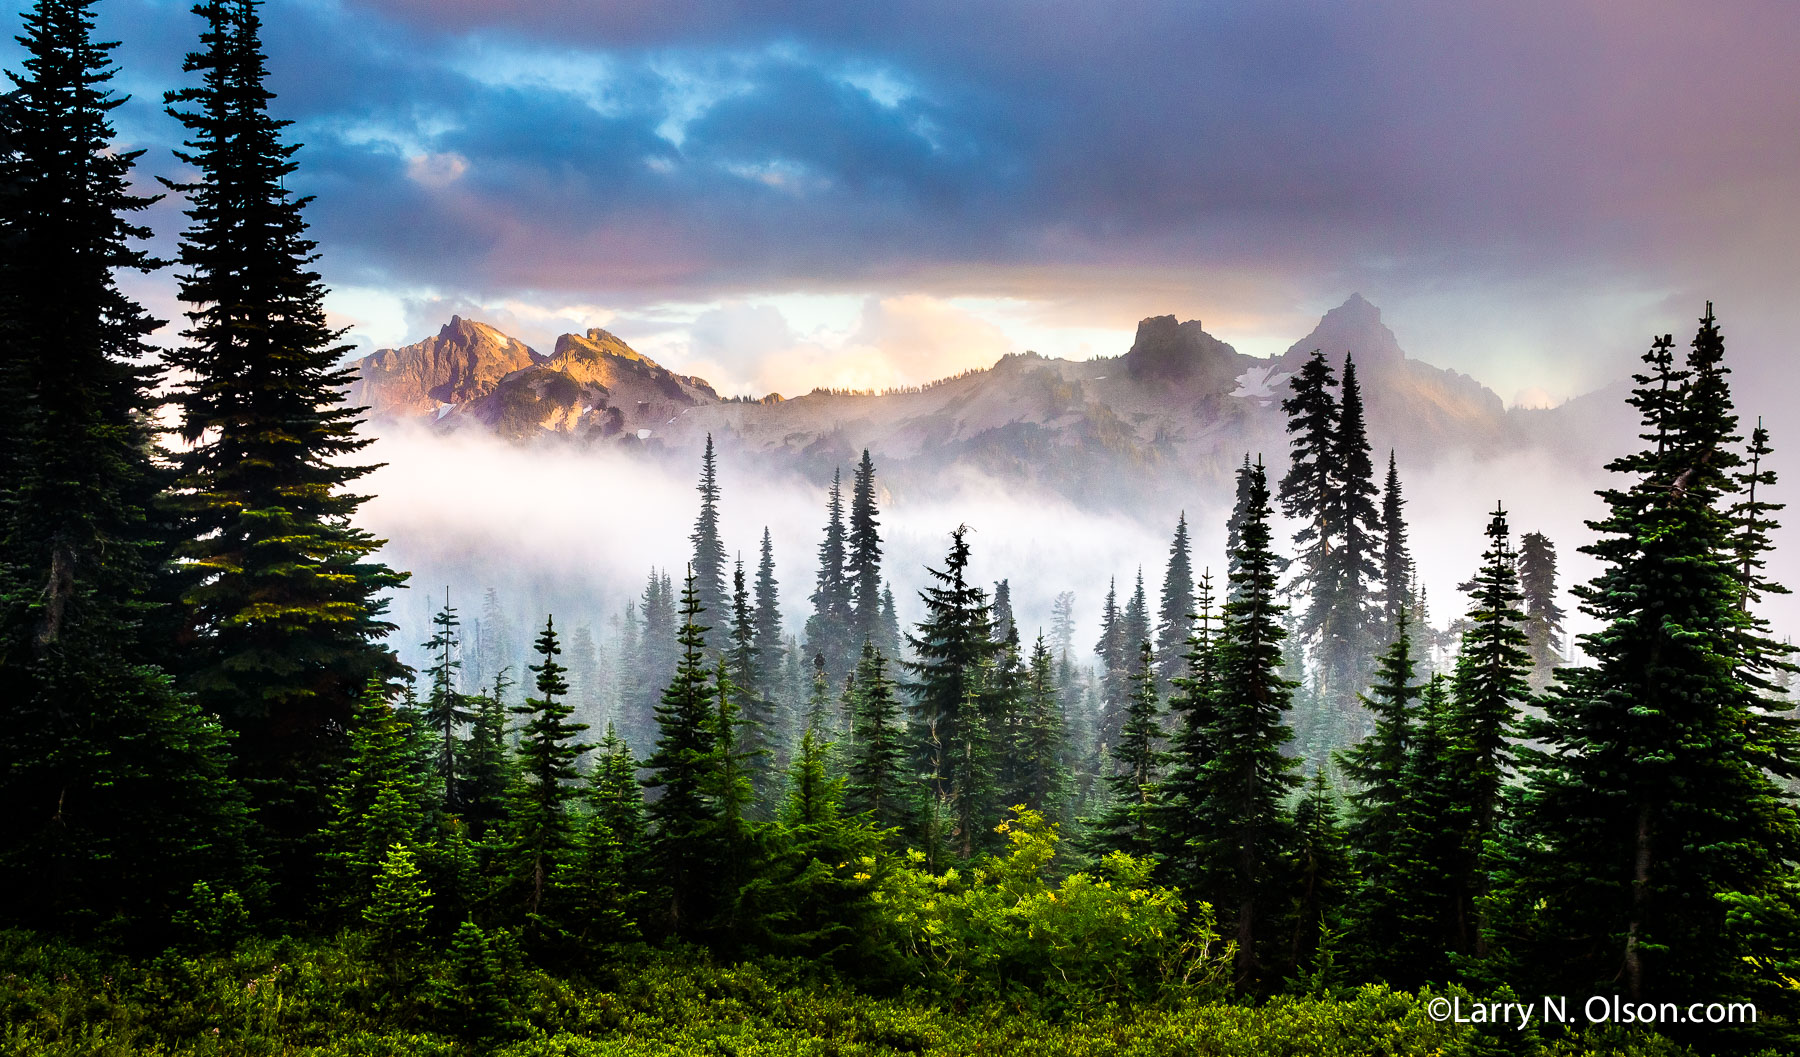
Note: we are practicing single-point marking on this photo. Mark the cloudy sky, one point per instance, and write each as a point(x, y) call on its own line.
point(778, 195)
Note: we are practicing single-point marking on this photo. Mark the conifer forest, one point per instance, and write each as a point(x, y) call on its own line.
point(1281, 805)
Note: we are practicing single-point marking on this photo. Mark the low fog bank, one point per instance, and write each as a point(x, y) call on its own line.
point(571, 531)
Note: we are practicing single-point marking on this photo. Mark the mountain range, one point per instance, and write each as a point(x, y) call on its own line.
point(1178, 408)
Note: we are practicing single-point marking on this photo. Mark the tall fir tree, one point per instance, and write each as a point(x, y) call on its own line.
point(1242, 827)
point(488, 766)
point(1377, 769)
point(1489, 686)
point(1421, 898)
point(1655, 808)
point(1543, 615)
point(880, 782)
point(543, 803)
point(953, 649)
point(446, 708)
point(862, 566)
point(1320, 878)
point(1175, 611)
point(768, 643)
point(1307, 489)
point(1193, 703)
point(1127, 824)
point(833, 620)
point(1062, 625)
point(283, 593)
point(1396, 556)
point(709, 549)
point(757, 735)
point(683, 816)
point(1003, 610)
point(1039, 748)
point(378, 801)
point(1349, 627)
point(891, 642)
point(116, 795)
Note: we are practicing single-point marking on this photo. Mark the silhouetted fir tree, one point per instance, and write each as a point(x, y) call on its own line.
point(487, 761)
point(115, 795)
point(1396, 557)
point(862, 566)
point(682, 814)
point(1240, 506)
point(378, 802)
point(768, 643)
point(1002, 610)
point(542, 827)
point(1114, 654)
point(953, 648)
point(1543, 617)
point(1377, 769)
point(1127, 824)
point(1421, 894)
point(1655, 810)
point(1306, 491)
point(1175, 611)
point(1242, 828)
point(1039, 750)
point(1321, 874)
point(879, 780)
point(756, 713)
point(890, 642)
point(1133, 623)
point(1343, 613)
point(1753, 517)
point(833, 620)
point(1489, 685)
point(1192, 704)
point(709, 550)
point(283, 593)
point(446, 708)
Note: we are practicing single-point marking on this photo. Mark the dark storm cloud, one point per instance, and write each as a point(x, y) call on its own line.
point(639, 149)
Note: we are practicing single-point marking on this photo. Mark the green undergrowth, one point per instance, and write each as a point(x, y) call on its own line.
point(343, 997)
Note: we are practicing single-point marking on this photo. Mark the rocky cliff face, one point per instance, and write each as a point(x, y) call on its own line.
point(465, 361)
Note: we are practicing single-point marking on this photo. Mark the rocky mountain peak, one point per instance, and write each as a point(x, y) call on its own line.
point(1354, 327)
point(1182, 353)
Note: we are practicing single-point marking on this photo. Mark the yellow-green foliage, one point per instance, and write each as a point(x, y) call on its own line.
point(1002, 930)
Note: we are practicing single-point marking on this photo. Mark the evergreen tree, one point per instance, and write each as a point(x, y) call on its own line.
point(1062, 625)
point(1377, 765)
point(1003, 611)
point(446, 708)
point(378, 801)
point(682, 856)
point(1242, 829)
point(1192, 704)
point(1655, 808)
point(879, 782)
point(1308, 488)
point(487, 764)
point(1543, 617)
point(1175, 611)
point(863, 565)
point(542, 829)
point(614, 795)
point(709, 550)
point(1419, 893)
point(767, 643)
point(1113, 652)
point(1487, 688)
point(833, 620)
point(116, 799)
point(400, 907)
point(1039, 748)
point(282, 590)
point(756, 734)
point(1396, 557)
point(1126, 825)
point(954, 649)
point(890, 642)
point(1343, 615)
point(1321, 875)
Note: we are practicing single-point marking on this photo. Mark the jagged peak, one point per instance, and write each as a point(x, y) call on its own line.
point(1353, 328)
